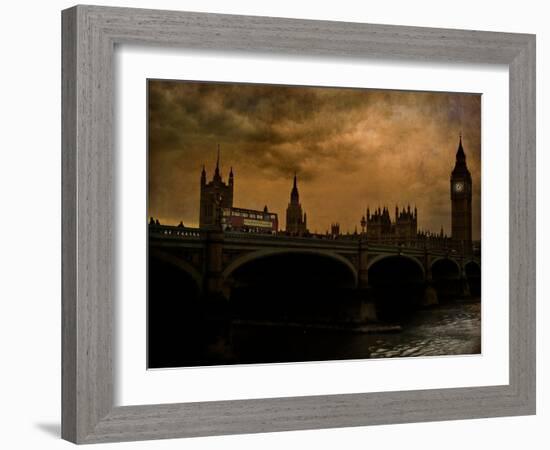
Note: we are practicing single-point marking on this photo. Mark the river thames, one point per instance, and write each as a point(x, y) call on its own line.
point(448, 329)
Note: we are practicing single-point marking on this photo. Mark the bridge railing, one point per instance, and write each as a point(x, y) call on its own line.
point(175, 231)
point(288, 238)
point(433, 244)
point(436, 244)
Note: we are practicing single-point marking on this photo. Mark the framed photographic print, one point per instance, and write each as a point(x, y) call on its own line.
point(266, 282)
point(335, 219)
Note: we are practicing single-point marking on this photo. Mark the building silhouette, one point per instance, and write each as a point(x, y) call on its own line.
point(404, 228)
point(296, 221)
point(461, 200)
point(217, 210)
point(379, 225)
point(214, 195)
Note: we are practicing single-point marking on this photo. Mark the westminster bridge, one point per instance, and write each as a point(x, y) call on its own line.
point(216, 263)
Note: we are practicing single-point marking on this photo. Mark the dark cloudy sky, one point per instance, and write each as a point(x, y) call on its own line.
point(350, 148)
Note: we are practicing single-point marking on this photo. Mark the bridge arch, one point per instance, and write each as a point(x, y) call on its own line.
point(397, 283)
point(440, 259)
point(291, 285)
point(178, 263)
point(260, 254)
point(473, 263)
point(446, 277)
point(379, 258)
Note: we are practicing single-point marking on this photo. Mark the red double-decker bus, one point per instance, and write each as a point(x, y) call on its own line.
point(249, 220)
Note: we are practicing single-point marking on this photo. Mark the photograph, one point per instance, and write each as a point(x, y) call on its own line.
point(305, 223)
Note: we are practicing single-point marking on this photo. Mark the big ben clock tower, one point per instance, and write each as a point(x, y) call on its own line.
point(461, 200)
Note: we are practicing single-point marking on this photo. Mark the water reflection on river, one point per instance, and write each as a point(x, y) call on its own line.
point(445, 330)
point(451, 329)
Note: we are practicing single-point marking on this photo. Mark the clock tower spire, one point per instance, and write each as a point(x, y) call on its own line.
point(461, 200)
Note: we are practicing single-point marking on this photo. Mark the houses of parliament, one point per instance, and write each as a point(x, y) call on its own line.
point(379, 225)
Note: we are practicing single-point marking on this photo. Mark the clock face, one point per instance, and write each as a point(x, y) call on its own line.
point(459, 187)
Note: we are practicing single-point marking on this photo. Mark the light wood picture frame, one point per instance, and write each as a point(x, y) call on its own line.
point(90, 34)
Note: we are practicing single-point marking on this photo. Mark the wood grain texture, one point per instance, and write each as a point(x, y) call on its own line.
point(89, 36)
point(68, 226)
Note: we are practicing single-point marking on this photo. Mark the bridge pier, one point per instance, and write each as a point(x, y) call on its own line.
point(464, 285)
point(216, 320)
point(213, 281)
point(429, 296)
point(367, 306)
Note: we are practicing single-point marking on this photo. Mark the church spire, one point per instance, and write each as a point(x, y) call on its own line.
point(203, 176)
point(217, 176)
point(294, 196)
point(296, 219)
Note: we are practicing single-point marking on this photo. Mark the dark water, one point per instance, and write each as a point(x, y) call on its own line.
point(452, 329)
point(445, 330)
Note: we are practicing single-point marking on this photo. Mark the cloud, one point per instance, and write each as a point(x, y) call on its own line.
point(350, 148)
